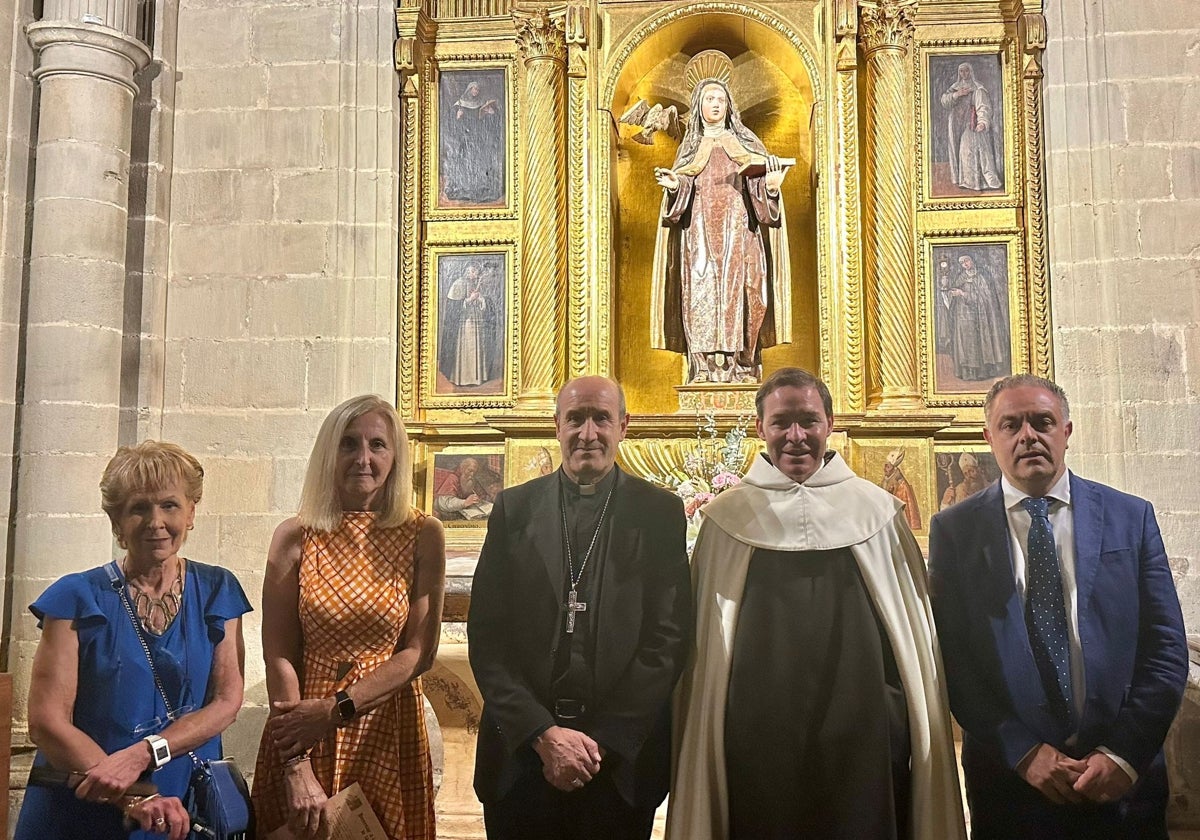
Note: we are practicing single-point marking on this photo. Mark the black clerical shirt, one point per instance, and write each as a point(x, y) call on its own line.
point(574, 656)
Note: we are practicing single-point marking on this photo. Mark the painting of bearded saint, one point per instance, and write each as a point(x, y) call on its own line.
point(721, 262)
point(967, 125)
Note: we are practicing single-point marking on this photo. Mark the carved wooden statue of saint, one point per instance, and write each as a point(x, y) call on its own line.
point(721, 288)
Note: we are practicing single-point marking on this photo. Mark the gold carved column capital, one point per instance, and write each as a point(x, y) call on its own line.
point(1031, 35)
point(541, 32)
point(887, 25)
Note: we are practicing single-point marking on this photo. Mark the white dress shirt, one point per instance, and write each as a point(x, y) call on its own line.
point(1062, 522)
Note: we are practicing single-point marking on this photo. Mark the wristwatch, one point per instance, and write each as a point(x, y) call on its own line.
point(345, 706)
point(160, 750)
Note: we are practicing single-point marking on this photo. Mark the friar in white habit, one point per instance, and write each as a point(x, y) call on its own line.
point(815, 705)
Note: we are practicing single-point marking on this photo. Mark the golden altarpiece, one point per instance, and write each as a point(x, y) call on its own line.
point(530, 212)
point(915, 215)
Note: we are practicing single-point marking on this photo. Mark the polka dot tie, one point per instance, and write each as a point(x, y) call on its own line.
point(1046, 612)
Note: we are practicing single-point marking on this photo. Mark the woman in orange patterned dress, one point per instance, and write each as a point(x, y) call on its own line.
point(352, 608)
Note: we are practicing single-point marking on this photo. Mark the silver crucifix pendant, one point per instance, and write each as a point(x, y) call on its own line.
point(573, 605)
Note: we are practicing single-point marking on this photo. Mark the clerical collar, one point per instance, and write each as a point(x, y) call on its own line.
point(600, 487)
point(714, 129)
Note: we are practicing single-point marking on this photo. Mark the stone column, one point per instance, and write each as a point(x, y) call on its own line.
point(69, 413)
point(886, 32)
point(541, 37)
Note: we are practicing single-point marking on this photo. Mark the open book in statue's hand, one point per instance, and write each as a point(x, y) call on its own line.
point(757, 165)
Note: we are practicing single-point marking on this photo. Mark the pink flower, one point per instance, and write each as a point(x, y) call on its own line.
point(725, 479)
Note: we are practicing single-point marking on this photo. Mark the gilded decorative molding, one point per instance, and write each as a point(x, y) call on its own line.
point(654, 459)
point(845, 19)
point(849, 233)
point(541, 33)
point(887, 25)
point(1031, 32)
point(409, 254)
point(577, 236)
point(1042, 362)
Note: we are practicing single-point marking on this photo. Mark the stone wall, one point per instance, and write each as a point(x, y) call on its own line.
point(1123, 138)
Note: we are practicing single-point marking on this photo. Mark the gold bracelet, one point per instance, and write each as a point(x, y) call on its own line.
point(296, 759)
point(132, 802)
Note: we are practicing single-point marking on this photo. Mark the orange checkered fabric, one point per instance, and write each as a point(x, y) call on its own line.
point(354, 590)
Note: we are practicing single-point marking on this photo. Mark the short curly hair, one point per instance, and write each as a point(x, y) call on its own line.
point(147, 466)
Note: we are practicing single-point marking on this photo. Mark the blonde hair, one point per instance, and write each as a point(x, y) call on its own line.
point(149, 465)
point(320, 506)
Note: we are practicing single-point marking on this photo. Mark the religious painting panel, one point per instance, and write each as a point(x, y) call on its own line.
point(473, 123)
point(967, 126)
point(973, 315)
point(527, 459)
point(902, 467)
point(962, 470)
point(462, 482)
point(468, 342)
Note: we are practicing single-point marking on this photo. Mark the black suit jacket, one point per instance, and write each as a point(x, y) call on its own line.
point(1130, 627)
point(643, 626)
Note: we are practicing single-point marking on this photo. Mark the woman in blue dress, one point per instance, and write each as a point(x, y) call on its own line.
point(94, 708)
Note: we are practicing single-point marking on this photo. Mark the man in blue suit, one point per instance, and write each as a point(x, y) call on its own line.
point(1061, 634)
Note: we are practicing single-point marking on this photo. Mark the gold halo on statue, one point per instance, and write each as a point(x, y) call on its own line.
point(709, 64)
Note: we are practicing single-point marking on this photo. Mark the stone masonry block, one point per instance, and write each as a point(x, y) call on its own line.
point(79, 228)
point(339, 370)
point(80, 540)
point(1185, 172)
point(278, 139)
point(237, 486)
point(209, 307)
point(72, 364)
point(69, 290)
point(221, 87)
point(244, 541)
point(69, 427)
point(307, 85)
point(287, 34)
point(1151, 364)
point(1191, 340)
point(68, 168)
point(1169, 228)
point(287, 480)
point(250, 250)
point(253, 433)
point(1140, 172)
point(221, 195)
point(300, 307)
point(244, 374)
point(1162, 111)
point(61, 483)
point(1148, 15)
point(307, 196)
point(1162, 291)
point(1167, 427)
point(213, 37)
point(1165, 483)
point(1174, 54)
point(78, 108)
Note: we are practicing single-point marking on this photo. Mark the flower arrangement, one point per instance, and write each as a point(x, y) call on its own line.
point(713, 466)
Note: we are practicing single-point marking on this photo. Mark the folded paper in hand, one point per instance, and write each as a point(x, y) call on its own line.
point(350, 818)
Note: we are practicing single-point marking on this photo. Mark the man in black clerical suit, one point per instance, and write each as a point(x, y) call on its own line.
point(579, 623)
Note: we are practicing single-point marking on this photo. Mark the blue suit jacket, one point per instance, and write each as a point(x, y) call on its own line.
point(1130, 627)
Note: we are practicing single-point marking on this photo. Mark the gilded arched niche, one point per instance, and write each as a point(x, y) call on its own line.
point(773, 86)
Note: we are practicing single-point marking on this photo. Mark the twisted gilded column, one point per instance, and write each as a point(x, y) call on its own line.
point(541, 38)
point(886, 32)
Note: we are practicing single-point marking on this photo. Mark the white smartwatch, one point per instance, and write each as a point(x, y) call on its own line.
point(160, 750)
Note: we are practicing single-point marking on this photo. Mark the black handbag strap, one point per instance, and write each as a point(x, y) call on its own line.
point(118, 585)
